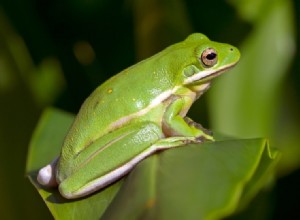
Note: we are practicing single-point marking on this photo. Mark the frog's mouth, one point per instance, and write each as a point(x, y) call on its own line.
point(207, 75)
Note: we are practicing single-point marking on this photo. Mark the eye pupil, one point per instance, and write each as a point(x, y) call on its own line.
point(209, 57)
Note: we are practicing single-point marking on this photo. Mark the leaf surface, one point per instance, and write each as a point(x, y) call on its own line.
point(206, 181)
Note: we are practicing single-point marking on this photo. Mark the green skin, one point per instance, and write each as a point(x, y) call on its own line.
point(135, 113)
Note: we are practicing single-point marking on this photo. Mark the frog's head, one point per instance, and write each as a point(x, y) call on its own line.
point(208, 60)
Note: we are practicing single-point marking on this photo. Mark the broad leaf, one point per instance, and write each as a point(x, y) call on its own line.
point(206, 181)
point(45, 146)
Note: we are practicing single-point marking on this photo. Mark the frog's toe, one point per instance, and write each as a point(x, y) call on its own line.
point(191, 123)
point(46, 175)
point(201, 139)
point(194, 124)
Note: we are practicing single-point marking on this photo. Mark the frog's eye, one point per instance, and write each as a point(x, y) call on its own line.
point(209, 57)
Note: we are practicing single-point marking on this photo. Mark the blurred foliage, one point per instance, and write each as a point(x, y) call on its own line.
point(56, 52)
point(250, 96)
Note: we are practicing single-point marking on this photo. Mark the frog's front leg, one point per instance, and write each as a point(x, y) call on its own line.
point(176, 124)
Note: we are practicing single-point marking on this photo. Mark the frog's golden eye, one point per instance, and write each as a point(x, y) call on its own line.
point(209, 57)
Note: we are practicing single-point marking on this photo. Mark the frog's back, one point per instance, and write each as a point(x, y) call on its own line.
point(125, 94)
point(122, 95)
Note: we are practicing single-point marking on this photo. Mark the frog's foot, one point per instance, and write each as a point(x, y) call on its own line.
point(207, 133)
point(46, 175)
point(171, 142)
point(192, 123)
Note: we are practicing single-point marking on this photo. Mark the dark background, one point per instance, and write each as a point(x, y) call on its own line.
point(54, 53)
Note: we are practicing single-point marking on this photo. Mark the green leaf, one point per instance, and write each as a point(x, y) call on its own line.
point(47, 138)
point(44, 147)
point(204, 181)
point(197, 181)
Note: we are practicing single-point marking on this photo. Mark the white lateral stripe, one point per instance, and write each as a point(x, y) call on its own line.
point(205, 73)
point(163, 96)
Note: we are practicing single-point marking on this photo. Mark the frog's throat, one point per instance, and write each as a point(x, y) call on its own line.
point(200, 89)
point(207, 74)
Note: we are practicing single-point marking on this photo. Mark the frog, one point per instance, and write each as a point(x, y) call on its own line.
point(138, 112)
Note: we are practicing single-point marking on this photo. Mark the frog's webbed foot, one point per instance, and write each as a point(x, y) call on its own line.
point(207, 133)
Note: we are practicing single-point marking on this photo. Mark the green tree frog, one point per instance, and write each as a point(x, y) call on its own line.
point(135, 113)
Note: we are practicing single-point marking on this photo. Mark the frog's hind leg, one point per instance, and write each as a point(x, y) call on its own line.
point(108, 159)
